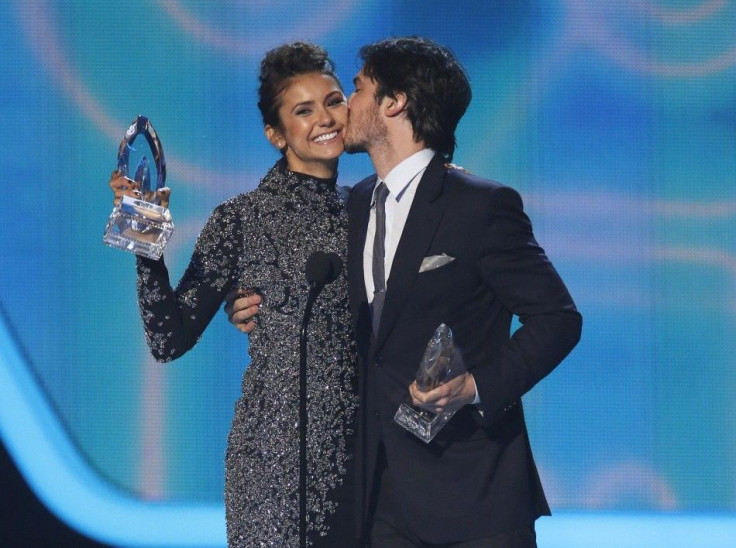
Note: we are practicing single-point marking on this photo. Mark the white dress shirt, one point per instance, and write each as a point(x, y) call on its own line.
point(402, 182)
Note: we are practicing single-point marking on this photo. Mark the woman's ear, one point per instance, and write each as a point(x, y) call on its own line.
point(275, 137)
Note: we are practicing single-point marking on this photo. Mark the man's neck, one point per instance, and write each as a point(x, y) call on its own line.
point(389, 155)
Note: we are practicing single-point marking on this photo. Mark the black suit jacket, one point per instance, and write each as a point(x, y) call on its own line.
point(478, 477)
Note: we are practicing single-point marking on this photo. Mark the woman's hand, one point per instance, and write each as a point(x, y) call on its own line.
point(162, 196)
point(123, 186)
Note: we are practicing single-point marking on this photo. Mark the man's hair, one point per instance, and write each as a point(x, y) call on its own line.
point(279, 66)
point(435, 83)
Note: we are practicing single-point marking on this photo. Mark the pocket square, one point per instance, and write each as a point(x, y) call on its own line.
point(435, 261)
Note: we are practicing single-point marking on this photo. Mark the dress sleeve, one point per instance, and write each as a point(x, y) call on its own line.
point(173, 320)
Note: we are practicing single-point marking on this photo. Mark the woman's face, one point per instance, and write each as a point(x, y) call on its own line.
point(313, 114)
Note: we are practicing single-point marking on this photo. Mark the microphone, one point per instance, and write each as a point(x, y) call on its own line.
point(321, 269)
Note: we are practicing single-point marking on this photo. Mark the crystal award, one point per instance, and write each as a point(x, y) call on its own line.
point(441, 362)
point(141, 225)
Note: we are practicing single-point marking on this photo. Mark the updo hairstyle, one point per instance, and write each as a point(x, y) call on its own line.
point(279, 66)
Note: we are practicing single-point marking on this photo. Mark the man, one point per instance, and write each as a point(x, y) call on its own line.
point(476, 484)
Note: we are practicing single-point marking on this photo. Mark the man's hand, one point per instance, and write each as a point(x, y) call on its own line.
point(241, 307)
point(449, 396)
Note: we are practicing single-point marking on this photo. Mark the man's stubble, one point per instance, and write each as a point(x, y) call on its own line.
point(367, 134)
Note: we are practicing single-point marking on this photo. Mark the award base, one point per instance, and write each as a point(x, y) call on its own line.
point(140, 227)
point(420, 422)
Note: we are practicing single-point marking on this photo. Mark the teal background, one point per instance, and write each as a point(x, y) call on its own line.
point(615, 120)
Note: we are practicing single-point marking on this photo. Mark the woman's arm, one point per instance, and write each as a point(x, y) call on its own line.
point(174, 320)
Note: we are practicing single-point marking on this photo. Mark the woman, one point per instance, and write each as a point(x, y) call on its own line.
point(262, 239)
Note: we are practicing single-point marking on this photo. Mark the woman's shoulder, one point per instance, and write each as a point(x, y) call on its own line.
point(238, 202)
point(233, 210)
point(259, 198)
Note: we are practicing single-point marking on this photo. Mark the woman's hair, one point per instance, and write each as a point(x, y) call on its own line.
point(436, 86)
point(281, 64)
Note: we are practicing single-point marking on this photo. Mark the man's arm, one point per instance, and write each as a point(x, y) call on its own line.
point(241, 307)
point(515, 268)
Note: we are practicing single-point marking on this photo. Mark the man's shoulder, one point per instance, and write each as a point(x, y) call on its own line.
point(458, 175)
point(466, 190)
point(364, 184)
point(361, 188)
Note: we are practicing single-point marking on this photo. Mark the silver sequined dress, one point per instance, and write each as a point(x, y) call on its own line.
point(262, 239)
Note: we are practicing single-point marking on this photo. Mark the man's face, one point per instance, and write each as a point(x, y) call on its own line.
point(366, 128)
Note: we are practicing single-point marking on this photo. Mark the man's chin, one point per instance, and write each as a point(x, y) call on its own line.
point(354, 148)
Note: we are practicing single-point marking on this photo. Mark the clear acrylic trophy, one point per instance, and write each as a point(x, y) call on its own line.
point(141, 225)
point(440, 363)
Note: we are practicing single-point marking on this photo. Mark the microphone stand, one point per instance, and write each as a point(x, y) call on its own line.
point(321, 269)
point(314, 290)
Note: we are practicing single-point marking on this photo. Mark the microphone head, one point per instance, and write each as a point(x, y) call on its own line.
point(322, 268)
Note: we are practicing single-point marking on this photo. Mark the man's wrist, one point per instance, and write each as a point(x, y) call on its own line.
point(476, 399)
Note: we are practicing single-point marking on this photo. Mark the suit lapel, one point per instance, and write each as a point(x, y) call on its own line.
point(359, 212)
point(416, 238)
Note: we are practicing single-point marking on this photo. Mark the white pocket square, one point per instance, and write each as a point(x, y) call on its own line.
point(435, 261)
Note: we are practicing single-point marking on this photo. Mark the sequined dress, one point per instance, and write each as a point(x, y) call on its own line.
point(262, 239)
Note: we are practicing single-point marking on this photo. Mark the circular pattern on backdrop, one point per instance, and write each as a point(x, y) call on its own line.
point(271, 14)
point(36, 18)
point(646, 37)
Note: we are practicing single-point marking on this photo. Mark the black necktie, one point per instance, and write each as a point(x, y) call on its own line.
point(379, 252)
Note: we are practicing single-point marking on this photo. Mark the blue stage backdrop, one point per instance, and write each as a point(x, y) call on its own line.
point(615, 120)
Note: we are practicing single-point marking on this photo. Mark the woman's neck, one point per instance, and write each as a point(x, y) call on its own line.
point(319, 170)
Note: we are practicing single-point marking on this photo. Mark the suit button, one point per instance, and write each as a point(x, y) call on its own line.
point(378, 361)
point(376, 415)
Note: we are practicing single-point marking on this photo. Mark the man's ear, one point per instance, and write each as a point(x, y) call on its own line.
point(393, 106)
point(276, 137)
